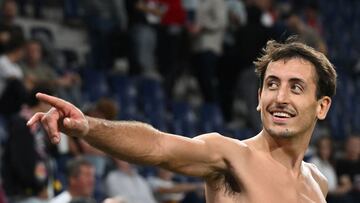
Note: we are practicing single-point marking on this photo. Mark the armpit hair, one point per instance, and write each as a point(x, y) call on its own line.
point(226, 181)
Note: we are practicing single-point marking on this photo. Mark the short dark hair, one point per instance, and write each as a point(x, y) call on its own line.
point(73, 166)
point(292, 48)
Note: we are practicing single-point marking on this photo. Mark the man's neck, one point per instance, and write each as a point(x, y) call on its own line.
point(287, 151)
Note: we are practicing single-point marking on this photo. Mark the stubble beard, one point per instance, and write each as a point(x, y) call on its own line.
point(285, 134)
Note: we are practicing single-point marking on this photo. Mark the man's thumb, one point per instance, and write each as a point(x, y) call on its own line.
point(74, 126)
point(69, 123)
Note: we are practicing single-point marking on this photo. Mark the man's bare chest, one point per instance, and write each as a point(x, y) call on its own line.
point(265, 183)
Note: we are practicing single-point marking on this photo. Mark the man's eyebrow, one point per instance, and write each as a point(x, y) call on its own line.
point(292, 80)
point(297, 80)
point(272, 77)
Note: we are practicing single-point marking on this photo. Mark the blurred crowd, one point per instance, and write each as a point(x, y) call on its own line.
point(184, 66)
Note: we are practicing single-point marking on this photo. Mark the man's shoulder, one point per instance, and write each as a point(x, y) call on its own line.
point(217, 138)
point(318, 177)
point(314, 169)
point(228, 147)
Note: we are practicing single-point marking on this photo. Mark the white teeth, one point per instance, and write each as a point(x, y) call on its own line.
point(281, 114)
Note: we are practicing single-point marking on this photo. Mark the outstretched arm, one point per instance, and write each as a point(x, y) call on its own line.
point(134, 141)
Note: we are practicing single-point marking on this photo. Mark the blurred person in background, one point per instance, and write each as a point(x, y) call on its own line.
point(26, 160)
point(37, 8)
point(348, 166)
point(294, 25)
point(170, 46)
point(106, 24)
point(9, 67)
point(311, 16)
point(8, 27)
point(324, 160)
point(36, 71)
point(207, 34)
point(10, 102)
point(166, 190)
point(105, 108)
point(80, 181)
point(126, 183)
point(237, 79)
point(12, 88)
point(144, 17)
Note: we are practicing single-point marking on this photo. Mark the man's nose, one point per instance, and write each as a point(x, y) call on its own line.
point(282, 96)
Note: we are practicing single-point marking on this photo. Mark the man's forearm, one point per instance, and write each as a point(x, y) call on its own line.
point(129, 140)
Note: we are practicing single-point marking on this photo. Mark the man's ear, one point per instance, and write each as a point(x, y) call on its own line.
point(323, 107)
point(258, 108)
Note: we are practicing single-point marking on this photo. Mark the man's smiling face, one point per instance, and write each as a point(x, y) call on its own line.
point(287, 99)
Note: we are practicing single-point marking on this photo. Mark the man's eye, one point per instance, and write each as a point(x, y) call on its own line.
point(272, 85)
point(297, 88)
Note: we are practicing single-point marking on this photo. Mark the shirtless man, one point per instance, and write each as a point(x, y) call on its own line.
point(296, 87)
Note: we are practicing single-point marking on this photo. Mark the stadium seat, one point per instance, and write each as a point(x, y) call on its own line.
point(42, 33)
point(184, 120)
point(70, 58)
point(151, 97)
point(211, 118)
point(124, 90)
point(95, 84)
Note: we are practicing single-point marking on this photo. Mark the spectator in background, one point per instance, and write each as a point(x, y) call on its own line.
point(36, 71)
point(166, 190)
point(249, 40)
point(105, 108)
point(170, 42)
point(229, 64)
point(207, 33)
point(190, 7)
point(37, 8)
point(8, 27)
point(26, 160)
point(125, 182)
point(12, 90)
point(324, 160)
point(81, 181)
point(106, 23)
point(237, 13)
point(311, 16)
point(269, 14)
point(296, 26)
point(348, 167)
point(144, 17)
point(9, 67)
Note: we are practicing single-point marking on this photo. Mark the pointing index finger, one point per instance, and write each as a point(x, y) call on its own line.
point(53, 101)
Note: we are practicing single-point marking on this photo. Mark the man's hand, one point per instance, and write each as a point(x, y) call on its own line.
point(62, 117)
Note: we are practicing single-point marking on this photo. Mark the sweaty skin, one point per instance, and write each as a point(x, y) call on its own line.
point(265, 168)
